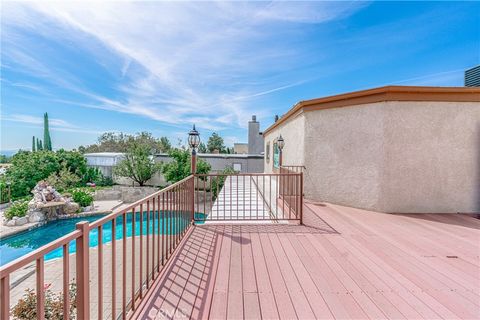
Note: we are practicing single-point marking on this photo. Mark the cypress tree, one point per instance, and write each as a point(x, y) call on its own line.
point(46, 133)
point(33, 144)
point(39, 145)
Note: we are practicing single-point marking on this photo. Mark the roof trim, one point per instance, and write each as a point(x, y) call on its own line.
point(387, 93)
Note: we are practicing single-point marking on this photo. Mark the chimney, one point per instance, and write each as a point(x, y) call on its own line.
point(255, 140)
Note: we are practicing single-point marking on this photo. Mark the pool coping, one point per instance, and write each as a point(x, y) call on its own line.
point(34, 225)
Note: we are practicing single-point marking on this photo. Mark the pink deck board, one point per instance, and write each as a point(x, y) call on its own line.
point(346, 264)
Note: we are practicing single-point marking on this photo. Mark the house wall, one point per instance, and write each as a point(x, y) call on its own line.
point(393, 156)
point(293, 132)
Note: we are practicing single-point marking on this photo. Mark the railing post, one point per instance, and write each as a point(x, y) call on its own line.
point(83, 271)
point(301, 197)
point(192, 198)
point(5, 299)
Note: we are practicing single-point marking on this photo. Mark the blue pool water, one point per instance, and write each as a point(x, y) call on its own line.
point(20, 244)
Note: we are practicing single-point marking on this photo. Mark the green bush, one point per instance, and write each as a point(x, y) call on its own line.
point(82, 197)
point(94, 175)
point(63, 180)
point(179, 168)
point(30, 167)
point(217, 184)
point(17, 209)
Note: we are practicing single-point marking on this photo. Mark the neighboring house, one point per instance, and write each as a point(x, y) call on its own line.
point(240, 148)
point(388, 149)
point(104, 161)
point(243, 163)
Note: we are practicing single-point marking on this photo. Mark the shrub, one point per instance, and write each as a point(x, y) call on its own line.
point(17, 209)
point(4, 197)
point(63, 180)
point(217, 184)
point(137, 164)
point(179, 168)
point(26, 307)
point(82, 197)
point(95, 175)
point(30, 167)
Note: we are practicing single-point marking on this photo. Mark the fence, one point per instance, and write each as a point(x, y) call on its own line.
point(248, 197)
point(143, 238)
point(118, 257)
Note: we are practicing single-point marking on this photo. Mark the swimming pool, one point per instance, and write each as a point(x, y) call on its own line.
point(15, 246)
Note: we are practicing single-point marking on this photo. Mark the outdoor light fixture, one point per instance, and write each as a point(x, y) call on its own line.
point(280, 142)
point(193, 142)
point(193, 138)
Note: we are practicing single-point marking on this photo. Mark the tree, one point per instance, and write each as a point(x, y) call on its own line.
point(138, 164)
point(120, 142)
point(215, 142)
point(202, 148)
point(4, 158)
point(46, 134)
point(179, 167)
point(33, 144)
point(165, 144)
point(39, 145)
point(27, 168)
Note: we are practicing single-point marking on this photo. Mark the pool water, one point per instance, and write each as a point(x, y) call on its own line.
point(18, 245)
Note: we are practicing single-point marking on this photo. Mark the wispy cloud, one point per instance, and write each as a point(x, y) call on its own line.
point(177, 62)
point(54, 124)
point(25, 118)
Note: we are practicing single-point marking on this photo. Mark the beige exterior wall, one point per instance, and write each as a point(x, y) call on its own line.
point(294, 150)
point(390, 156)
point(344, 157)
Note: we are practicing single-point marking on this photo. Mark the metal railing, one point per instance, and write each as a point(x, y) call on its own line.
point(132, 245)
point(292, 169)
point(248, 197)
point(142, 236)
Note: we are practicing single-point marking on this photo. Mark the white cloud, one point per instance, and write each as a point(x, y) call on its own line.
point(25, 118)
point(181, 62)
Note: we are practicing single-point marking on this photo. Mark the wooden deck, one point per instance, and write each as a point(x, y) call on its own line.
point(345, 264)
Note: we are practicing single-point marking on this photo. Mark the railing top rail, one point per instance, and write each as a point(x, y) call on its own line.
point(293, 166)
point(118, 212)
point(247, 174)
point(40, 252)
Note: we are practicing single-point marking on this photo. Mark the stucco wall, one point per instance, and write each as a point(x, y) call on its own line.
point(293, 133)
point(394, 156)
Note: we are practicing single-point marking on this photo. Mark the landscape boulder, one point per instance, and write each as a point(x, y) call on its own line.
point(11, 223)
point(71, 208)
point(36, 216)
point(21, 221)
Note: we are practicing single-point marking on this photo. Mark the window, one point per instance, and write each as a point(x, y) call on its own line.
point(276, 156)
point(237, 167)
point(267, 155)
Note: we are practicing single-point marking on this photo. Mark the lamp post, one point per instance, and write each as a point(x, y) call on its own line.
point(280, 144)
point(193, 142)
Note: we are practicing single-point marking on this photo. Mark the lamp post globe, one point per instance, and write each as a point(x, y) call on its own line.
point(280, 142)
point(193, 142)
point(193, 138)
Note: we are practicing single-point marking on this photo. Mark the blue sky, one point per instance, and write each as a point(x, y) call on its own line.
point(162, 66)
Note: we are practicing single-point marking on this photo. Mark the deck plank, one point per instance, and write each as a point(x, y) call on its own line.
point(268, 305)
point(218, 309)
point(235, 287)
point(345, 264)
